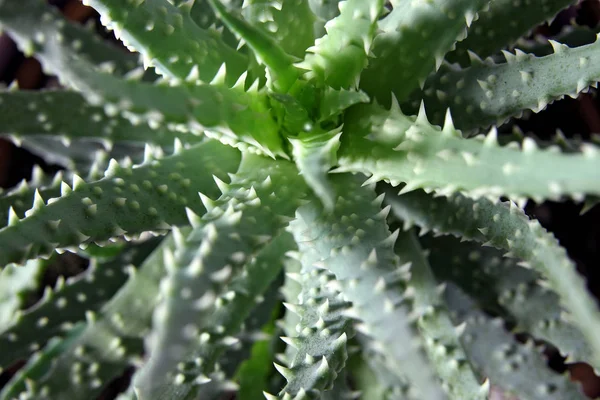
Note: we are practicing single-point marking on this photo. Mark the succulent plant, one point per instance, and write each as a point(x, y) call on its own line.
point(272, 153)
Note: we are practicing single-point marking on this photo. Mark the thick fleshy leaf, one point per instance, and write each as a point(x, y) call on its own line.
point(111, 341)
point(38, 365)
point(374, 379)
point(508, 363)
point(506, 227)
point(200, 366)
point(42, 22)
point(254, 208)
point(168, 39)
point(289, 22)
point(67, 115)
point(516, 293)
point(234, 116)
point(282, 73)
point(412, 42)
point(315, 155)
point(392, 146)
point(130, 200)
point(338, 58)
point(489, 93)
point(16, 282)
point(353, 241)
point(319, 342)
point(68, 303)
point(440, 336)
point(502, 24)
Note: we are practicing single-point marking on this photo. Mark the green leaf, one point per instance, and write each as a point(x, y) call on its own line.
point(341, 389)
point(283, 74)
point(234, 116)
point(224, 331)
point(325, 10)
point(290, 290)
point(206, 261)
point(315, 154)
point(319, 344)
point(16, 282)
point(508, 364)
point(506, 227)
point(571, 35)
point(39, 365)
point(354, 242)
point(502, 24)
point(67, 115)
point(43, 23)
point(413, 41)
point(69, 302)
point(151, 196)
point(167, 38)
point(514, 292)
point(254, 373)
point(292, 115)
point(110, 342)
point(253, 332)
point(392, 146)
point(204, 16)
point(439, 335)
point(84, 157)
point(374, 379)
point(20, 198)
point(335, 102)
point(338, 58)
point(289, 22)
point(488, 93)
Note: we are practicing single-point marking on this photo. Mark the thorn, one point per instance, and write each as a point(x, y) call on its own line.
point(439, 59)
point(474, 58)
point(112, 169)
point(491, 140)
point(77, 182)
point(194, 218)
point(469, 17)
point(557, 47)
point(448, 129)
point(293, 342)
point(294, 276)
point(223, 187)
point(178, 236)
point(38, 201)
point(13, 218)
point(208, 203)
point(194, 74)
point(219, 78)
point(460, 329)
point(390, 241)
point(324, 367)
point(287, 373)
point(148, 153)
point(269, 396)
point(178, 146)
point(241, 81)
point(422, 116)
point(292, 307)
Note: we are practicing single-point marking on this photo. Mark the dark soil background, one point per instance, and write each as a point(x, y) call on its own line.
point(579, 234)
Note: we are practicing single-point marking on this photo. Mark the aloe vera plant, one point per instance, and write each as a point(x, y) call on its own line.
point(281, 153)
